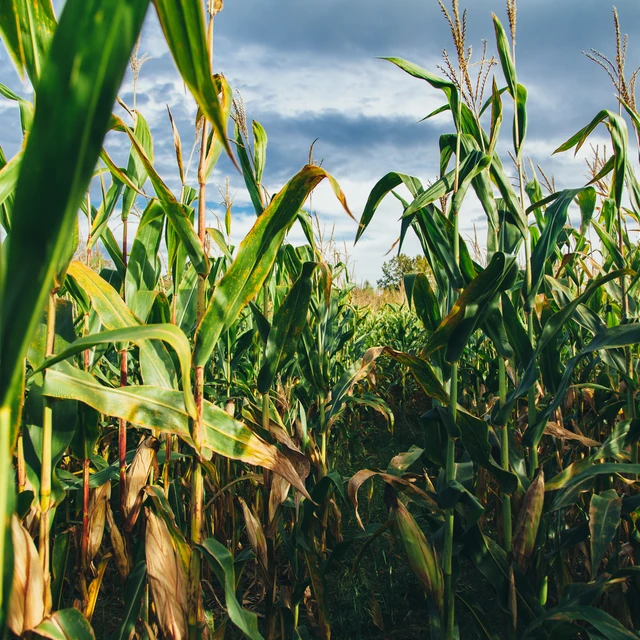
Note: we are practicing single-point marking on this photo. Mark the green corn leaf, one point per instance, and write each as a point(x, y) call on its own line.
point(456, 496)
point(221, 562)
point(187, 300)
point(426, 303)
point(480, 617)
point(177, 253)
point(475, 437)
point(144, 266)
point(393, 479)
point(437, 239)
point(555, 219)
point(102, 216)
point(215, 145)
point(59, 562)
point(508, 194)
point(549, 331)
point(520, 125)
point(609, 338)
point(177, 144)
point(400, 463)
point(136, 169)
point(534, 190)
point(496, 116)
point(608, 626)
point(117, 172)
point(374, 402)
point(27, 27)
point(446, 86)
point(470, 167)
point(6, 195)
point(114, 251)
point(587, 200)
point(88, 56)
point(8, 180)
point(259, 149)
point(509, 237)
point(163, 410)
point(63, 414)
point(466, 313)
point(87, 432)
point(249, 172)
point(481, 182)
point(255, 258)
point(492, 561)
point(139, 334)
point(494, 327)
point(604, 518)
point(183, 25)
point(133, 598)
point(155, 363)
point(506, 61)
point(64, 625)
point(26, 107)
point(516, 333)
point(383, 187)
point(632, 114)
point(423, 372)
point(287, 325)
point(344, 387)
point(175, 211)
point(437, 111)
point(624, 433)
point(618, 130)
point(610, 245)
point(218, 238)
point(583, 481)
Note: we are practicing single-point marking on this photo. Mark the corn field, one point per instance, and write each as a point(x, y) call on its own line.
point(193, 434)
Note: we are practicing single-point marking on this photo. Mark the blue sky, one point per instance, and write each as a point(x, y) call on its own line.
point(309, 70)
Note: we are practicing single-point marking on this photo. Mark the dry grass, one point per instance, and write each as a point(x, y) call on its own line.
point(375, 299)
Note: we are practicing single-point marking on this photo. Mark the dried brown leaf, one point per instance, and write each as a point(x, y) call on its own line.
point(555, 430)
point(280, 486)
point(399, 483)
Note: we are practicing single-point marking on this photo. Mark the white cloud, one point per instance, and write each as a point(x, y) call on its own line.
point(355, 87)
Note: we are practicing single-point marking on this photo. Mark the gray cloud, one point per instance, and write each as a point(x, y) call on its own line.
point(308, 70)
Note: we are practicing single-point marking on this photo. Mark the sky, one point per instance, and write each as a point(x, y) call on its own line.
point(309, 70)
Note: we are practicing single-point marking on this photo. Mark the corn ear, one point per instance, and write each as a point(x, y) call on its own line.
point(138, 473)
point(422, 557)
point(167, 578)
point(123, 562)
point(97, 515)
point(255, 532)
point(30, 597)
point(529, 521)
point(94, 587)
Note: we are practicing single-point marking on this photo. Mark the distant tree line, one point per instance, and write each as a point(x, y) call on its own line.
point(394, 270)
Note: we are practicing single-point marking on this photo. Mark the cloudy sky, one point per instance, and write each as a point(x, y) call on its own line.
point(310, 70)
